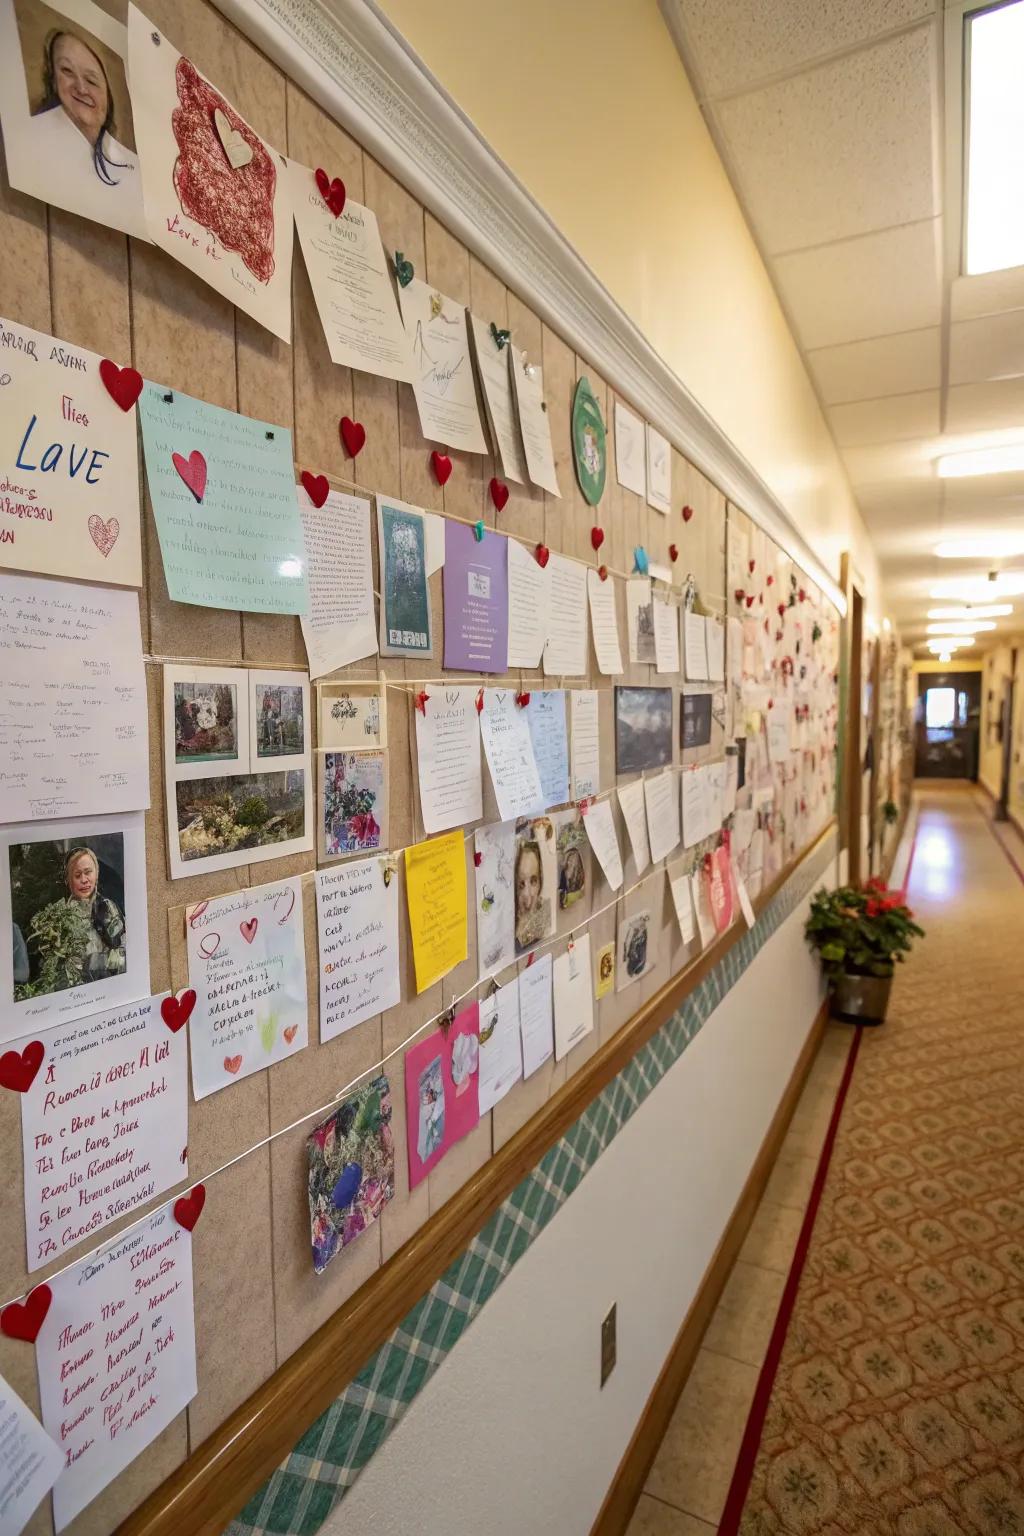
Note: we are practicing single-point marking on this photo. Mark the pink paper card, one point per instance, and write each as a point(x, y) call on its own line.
point(720, 889)
point(442, 1091)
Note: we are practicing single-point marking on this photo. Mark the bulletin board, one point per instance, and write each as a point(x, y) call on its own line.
point(257, 1297)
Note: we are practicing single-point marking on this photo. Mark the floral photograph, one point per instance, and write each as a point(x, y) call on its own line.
point(351, 1159)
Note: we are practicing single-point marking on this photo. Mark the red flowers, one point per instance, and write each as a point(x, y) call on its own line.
point(872, 907)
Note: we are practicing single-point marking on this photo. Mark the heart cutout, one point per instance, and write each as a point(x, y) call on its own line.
point(291, 1032)
point(316, 487)
point(123, 385)
point(104, 534)
point(332, 192)
point(673, 553)
point(499, 493)
point(478, 859)
point(23, 1319)
point(232, 1064)
point(247, 928)
point(543, 555)
point(597, 537)
point(687, 514)
point(353, 435)
point(751, 566)
point(442, 466)
point(193, 471)
point(18, 1068)
point(234, 144)
point(176, 1011)
point(750, 601)
point(602, 571)
point(188, 1208)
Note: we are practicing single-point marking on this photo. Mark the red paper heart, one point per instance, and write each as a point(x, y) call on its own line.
point(332, 192)
point(750, 566)
point(687, 514)
point(104, 534)
point(478, 859)
point(193, 471)
point(750, 601)
point(353, 435)
point(291, 1032)
point(176, 1011)
point(188, 1208)
point(123, 385)
point(782, 609)
point(23, 1319)
point(18, 1068)
point(316, 487)
point(522, 699)
point(247, 928)
point(442, 466)
point(232, 1064)
point(769, 581)
point(739, 594)
point(597, 537)
point(543, 555)
point(499, 493)
point(602, 571)
point(673, 553)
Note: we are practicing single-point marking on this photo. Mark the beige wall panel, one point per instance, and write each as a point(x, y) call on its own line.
point(23, 229)
point(561, 521)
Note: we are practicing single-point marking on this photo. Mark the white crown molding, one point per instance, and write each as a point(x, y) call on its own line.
point(350, 60)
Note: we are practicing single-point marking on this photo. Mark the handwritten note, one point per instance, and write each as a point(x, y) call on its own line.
point(573, 997)
point(545, 715)
point(714, 633)
point(695, 646)
point(223, 493)
point(341, 626)
point(435, 890)
point(247, 963)
point(666, 635)
point(630, 466)
point(73, 728)
point(586, 743)
point(634, 814)
point(529, 604)
point(679, 882)
point(448, 759)
point(348, 273)
point(30, 1462)
point(509, 751)
point(659, 471)
point(702, 906)
point(697, 823)
point(104, 1126)
point(357, 924)
point(536, 1021)
point(495, 903)
point(604, 624)
point(604, 841)
point(69, 469)
point(443, 380)
point(116, 1356)
point(565, 654)
point(501, 1055)
point(662, 794)
point(528, 388)
point(475, 600)
point(496, 384)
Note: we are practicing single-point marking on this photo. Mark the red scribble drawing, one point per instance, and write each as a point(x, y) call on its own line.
point(235, 205)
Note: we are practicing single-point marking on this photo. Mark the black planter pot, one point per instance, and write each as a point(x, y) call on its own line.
point(860, 999)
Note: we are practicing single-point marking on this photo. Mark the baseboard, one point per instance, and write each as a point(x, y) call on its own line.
point(621, 1499)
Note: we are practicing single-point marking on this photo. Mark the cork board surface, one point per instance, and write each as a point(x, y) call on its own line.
point(256, 1295)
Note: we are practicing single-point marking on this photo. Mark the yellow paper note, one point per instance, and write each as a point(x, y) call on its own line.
point(604, 971)
point(435, 884)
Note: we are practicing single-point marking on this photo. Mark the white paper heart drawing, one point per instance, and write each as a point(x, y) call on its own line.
point(239, 153)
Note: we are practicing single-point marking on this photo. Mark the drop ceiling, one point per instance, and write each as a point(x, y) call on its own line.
point(831, 120)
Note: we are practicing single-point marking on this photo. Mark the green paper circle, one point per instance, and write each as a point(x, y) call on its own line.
point(589, 447)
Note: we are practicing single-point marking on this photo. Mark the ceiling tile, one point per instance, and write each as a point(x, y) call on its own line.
point(885, 365)
point(895, 465)
point(988, 348)
point(987, 293)
point(840, 150)
point(748, 40)
point(871, 286)
point(985, 407)
point(889, 420)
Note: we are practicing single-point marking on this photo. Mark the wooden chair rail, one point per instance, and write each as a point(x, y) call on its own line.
point(213, 1484)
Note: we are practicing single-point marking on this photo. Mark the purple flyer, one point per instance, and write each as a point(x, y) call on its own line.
point(475, 599)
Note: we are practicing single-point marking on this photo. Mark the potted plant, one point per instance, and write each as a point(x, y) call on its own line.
point(861, 935)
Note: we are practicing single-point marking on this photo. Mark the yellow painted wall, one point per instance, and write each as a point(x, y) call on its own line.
point(589, 105)
point(998, 665)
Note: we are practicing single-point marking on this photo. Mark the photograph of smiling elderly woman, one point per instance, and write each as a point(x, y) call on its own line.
point(70, 137)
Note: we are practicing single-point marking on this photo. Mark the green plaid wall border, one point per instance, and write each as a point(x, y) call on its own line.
point(299, 1496)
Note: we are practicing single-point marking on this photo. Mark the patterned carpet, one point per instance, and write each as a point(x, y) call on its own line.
point(898, 1406)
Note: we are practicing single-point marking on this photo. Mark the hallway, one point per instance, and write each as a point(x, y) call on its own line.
point(897, 1402)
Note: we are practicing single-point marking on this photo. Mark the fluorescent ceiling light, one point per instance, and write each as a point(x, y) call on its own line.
point(945, 656)
point(995, 139)
point(946, 647)
point(981, 589)
point(972, 627)
point(996, 546)
point(982, 611)
point(983, 461)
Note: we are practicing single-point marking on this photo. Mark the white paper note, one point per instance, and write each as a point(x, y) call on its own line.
point(104, 1125)
point(509, 752)
point(341, 626)
point(495, 898)
point(116, 1355)
point(496, 387)
point(604, 841)
point(247, 963)
point(604, 624)
point(695, 805)
point(545, 715)
point(443, 381)
point(640, 620)
point(528, 388)
point(30, 1462)
point(630, 452)
point(714, 632)
point(73, 729)
point(536, 1023)
point(659, 471)
point(662, 794)
point(702, 907)
point(357, 923)
point(666, 635)
point(501, 1054)
point(680, 885)
point(573, 997)
point(746, 907)
point(448, 759)
point(565, 654)
point(695, 646)
point(586, 743)
point(529, 604)
point(634, 813)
